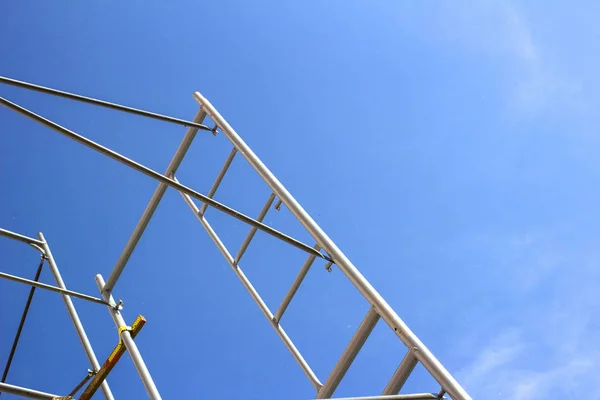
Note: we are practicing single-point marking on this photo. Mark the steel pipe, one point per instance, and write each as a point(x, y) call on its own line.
point(250, 236)
point(101, 103)
point(161, 178)
point(219, 178)
point(25, 392)
point(20, 238)
point(437, 370)
point(406, 367)
point(255, 296)
point(51, 288)
point(350, 353)
point(130, 344)
point(416, 396)
point(295, 286)
point(153, 204)
point(87, 347)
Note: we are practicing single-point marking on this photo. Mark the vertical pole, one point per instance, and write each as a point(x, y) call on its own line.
point(74, 316)
point(134, 353)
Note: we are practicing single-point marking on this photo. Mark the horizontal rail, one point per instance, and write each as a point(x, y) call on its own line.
point(101, 103)
point(52, 288)
point(250, 236)
point(349, 354)
point(295, 286)
point(406, 367)
point(157, 196)
point(20, 238)
point(25, 392)
point(219, 178)
point(416, 396)
point(161, 178)
point(250, 288)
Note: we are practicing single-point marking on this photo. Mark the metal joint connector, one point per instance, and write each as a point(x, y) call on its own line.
point(119, 305)
point(278, 205)
point(328, 266)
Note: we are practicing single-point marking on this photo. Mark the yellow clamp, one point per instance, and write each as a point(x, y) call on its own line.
point(123, 329)
point(137, 325)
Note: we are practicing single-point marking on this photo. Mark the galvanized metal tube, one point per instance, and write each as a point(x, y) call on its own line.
point(18, 237)
point(101, 103)
point(52, 288)
point(130, 344)
point(161, 178)
point(87, 347)
point(352, 350)
point(295, 286)
point(255, 296)
point(416, 396)
point(408, 363)
point(153, 204)
point(437, 370)
point(25, 392)
point(219, 178)
point(250, 236)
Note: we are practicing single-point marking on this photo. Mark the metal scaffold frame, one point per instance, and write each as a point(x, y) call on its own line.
point(324, 248)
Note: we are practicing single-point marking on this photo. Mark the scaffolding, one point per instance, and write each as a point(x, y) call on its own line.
point(323, 248)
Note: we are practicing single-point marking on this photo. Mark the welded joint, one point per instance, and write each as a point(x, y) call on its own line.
point(38, 248)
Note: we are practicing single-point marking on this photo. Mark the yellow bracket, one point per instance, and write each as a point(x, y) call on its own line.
point(113, 358)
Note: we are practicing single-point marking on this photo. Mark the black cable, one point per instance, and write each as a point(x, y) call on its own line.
point(25, 311)
point(83, 382)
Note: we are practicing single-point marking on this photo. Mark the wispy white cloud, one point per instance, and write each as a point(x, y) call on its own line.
point(538, 83)
point(499, 30)
point(507, 371)
point(551, 348)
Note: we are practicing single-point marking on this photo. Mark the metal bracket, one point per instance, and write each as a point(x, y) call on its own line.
point(119, 305)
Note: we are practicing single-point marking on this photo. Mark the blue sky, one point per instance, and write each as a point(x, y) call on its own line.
point(449, 148)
